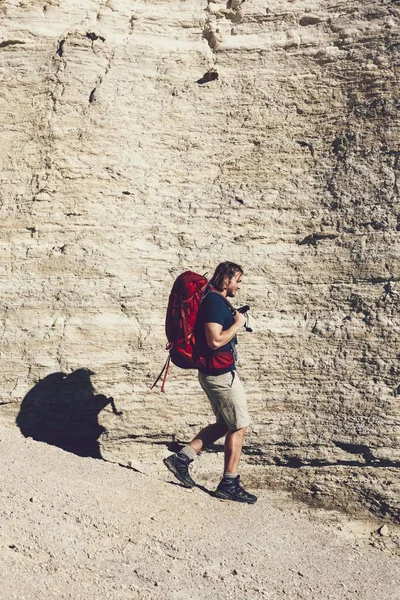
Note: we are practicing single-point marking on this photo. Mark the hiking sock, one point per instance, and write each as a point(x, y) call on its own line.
point(230, 475)
point(188, 452)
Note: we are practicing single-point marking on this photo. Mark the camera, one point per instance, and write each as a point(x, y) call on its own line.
point(245, 311)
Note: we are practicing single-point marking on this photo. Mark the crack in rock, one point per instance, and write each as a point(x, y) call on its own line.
point(10, 43)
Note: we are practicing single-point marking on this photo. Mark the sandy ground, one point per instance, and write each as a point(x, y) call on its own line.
point(75, 527)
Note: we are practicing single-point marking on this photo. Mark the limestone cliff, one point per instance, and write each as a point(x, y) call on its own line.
point(143, 138)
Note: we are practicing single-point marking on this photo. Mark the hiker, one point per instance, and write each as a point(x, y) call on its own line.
point(216, 329)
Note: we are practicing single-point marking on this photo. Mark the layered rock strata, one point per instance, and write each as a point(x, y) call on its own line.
point(141, 139)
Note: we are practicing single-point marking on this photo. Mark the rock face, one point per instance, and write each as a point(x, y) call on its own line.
point(141, 139)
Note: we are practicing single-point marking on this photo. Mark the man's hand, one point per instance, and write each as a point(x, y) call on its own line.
point(239, 319)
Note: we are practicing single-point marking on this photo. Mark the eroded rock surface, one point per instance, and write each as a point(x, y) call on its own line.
point(144, 138)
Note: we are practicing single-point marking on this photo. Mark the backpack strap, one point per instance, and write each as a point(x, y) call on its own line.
point(163, 371)
point(212, 289)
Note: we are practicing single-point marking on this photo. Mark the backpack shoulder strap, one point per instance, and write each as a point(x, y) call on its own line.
point(212, 290)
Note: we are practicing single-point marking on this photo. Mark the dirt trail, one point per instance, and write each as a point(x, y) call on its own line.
point(82, 528)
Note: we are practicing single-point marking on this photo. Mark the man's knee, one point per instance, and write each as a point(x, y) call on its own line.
point(239, 432)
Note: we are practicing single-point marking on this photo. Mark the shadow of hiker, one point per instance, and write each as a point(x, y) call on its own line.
point(62, 410)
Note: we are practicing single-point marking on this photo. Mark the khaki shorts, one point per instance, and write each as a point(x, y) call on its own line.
point(227, 398)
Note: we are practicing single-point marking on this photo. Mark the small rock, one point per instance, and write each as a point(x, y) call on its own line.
point(135, 465)
point(308, 361)
point(310, 20)
point(32, 499)
point(383, 531)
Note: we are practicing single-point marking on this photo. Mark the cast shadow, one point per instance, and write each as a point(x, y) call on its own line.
point(62, 410)
point(207, 77)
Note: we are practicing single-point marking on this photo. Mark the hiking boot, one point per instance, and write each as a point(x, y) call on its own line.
point(178, 464)
point(230, 489)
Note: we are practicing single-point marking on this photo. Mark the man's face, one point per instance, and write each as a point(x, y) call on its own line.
point(234, 285)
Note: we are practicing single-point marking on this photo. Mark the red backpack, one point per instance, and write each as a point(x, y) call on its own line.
point(183, 306)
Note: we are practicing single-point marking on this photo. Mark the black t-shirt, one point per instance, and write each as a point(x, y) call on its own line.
point(214, 309)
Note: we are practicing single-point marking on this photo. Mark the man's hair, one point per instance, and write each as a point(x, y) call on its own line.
point(225, 270)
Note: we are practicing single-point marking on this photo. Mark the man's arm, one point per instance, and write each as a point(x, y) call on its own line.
point(216, 337)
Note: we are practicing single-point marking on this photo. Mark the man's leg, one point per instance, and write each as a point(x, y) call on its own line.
point(229, 487)
point(228, 400)
point(233, 450)
point(208, 436)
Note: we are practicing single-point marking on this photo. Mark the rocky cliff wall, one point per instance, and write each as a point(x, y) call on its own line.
point(144, 138)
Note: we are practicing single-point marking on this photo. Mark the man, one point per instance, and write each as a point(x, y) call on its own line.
point(216, 329)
